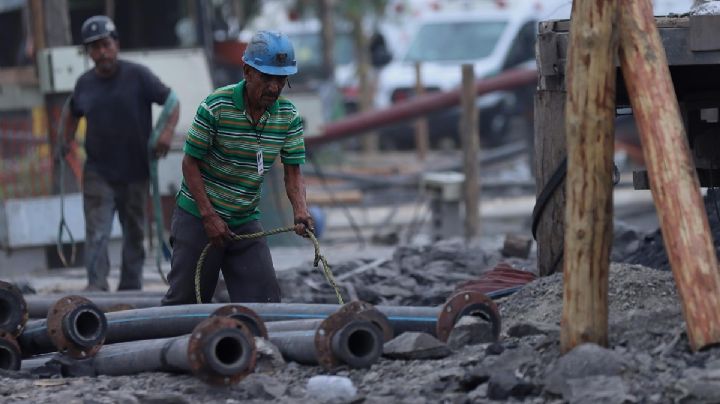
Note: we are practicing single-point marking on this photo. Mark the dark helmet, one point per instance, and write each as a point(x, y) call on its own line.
point(97, 27)
point(272, 53)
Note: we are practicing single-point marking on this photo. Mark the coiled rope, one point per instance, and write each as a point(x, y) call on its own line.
point(319, 258)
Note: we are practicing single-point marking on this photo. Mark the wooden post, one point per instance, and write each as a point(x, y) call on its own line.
point(51, 28)
point(422, 136)
point(550, 152)
point(470, 145)
point(327, 31)
point(673, 180)
point(589, 126)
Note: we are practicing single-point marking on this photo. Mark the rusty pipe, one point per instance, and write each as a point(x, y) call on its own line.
point(74, 326)
point(219, 351)
point(9, 352)
point(13, 309)
point(342, 338)
point(417, 106)
point(437, 321)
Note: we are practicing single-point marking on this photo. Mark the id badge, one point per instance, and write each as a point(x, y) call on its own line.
point(260, 163)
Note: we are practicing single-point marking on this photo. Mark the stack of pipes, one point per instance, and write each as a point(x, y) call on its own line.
point(215, 342)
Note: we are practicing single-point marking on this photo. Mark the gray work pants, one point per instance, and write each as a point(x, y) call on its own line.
point(246, 264)
point(101, 199)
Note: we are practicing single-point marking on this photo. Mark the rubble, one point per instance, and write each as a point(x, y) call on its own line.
point(417, 275)
point(649, 249)
point(415, 345)
point(648, 358)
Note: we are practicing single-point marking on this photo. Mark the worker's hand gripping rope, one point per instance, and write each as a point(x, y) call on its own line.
point(318, 258)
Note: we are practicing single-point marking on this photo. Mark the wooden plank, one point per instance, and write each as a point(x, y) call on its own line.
point(673, 182)
point(660, 22)
point(550, 151)
point(471, 146)
point(589, 128)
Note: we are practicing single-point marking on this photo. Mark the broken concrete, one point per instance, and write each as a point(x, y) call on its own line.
point(415, 345)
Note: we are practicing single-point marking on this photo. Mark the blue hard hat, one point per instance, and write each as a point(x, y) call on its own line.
point(271, 52)
point(97, 27)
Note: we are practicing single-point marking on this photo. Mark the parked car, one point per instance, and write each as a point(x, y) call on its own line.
point(492, 39)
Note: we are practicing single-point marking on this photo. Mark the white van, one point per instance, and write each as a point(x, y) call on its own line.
point(490, 38)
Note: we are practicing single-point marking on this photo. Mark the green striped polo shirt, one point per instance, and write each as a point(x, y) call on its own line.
point(225, 141)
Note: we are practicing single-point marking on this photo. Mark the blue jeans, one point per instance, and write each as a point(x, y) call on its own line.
point(101, 199)
point(246, 264)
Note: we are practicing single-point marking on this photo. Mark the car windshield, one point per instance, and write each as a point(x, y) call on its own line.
point(308, 49)
point(455, 41)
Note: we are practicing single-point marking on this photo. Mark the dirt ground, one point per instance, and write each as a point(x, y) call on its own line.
point(647, 360)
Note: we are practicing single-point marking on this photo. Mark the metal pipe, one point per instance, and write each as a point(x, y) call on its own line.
point(172, 321)
point(358, 344)
point(437, 321)
point(220, 351)
point(9, 352)
point(169, 321)
point(37, 306)
point(418, 106)
point(293, 325)
point(75, 326)
point(13, 309)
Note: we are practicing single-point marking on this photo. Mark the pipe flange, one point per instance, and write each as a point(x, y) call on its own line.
point(204, 339)
point(68, 333)
point(9, 352)
point(368, 312)
point(246, 316)
point(467, 303)
point(324, 336)
point(13, 309)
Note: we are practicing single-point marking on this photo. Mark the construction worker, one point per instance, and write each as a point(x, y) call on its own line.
point(115, 97)
point(237, 133)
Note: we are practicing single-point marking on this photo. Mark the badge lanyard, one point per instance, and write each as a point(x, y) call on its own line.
point(259, 153)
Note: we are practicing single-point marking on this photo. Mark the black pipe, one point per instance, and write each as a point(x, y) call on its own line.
point(78, 329)
point(219, 351)
point(38, 305)
point(9, 352)
point(357, 344)
point(13, 309)
point(293, 325)
point(170, 321)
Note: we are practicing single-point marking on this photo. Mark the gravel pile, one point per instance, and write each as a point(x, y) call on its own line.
point(651, 251)
point(648, 361)
point(414, 276)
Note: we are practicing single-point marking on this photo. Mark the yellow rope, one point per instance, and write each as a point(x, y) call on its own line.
point(318, 258)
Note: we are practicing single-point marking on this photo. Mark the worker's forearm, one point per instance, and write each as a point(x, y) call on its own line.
point(172, 121)
point(71, 124)
point(194, 182)
point(295, 188)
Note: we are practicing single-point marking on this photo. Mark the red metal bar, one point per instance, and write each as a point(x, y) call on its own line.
point(421, 105)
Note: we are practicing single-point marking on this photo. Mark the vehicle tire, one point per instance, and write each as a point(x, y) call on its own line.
point(494, 124)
